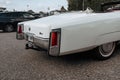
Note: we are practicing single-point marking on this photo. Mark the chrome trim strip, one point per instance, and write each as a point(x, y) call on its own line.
point(41, 38)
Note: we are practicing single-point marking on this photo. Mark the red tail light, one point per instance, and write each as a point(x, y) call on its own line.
point(19, 29)
point(20, 34)
point(54, 37)
point(55, 41)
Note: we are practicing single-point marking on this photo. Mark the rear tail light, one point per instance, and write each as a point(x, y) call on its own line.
point(20, 34)
point(54, 36)
point(19, 29)
point(55, 39)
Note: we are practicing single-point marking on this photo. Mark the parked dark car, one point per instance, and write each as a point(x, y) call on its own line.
point(9, 20)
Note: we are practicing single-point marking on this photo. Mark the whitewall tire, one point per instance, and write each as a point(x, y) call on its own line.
point(105, 51)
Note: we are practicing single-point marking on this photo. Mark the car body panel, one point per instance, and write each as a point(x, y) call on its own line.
point(80, 31)
point(90, 34)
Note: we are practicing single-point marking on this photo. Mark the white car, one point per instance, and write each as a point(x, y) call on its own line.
point(69, 33)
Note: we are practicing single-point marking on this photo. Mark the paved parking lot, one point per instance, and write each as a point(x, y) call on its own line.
point(16, 63)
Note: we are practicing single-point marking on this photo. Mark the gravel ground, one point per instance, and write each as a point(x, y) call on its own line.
point(16, 63)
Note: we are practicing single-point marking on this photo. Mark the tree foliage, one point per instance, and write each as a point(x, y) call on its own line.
point(75, 4)
point(78, 4)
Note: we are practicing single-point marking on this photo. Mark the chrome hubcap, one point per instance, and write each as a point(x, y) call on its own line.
point(107, 49)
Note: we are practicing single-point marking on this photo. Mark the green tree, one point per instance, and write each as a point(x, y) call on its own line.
point(75, 4)
point(78, 4)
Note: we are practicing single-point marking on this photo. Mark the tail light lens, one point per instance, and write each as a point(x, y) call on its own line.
point(19, 29)
point(55, 39)
point(20, 34)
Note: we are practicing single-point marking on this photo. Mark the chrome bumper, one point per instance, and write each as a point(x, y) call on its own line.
point(40, 42)
point(46, 43)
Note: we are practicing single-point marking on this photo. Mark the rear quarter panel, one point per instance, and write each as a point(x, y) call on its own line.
point(91, 32)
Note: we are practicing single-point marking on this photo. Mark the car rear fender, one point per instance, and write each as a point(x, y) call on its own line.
point(108, 37)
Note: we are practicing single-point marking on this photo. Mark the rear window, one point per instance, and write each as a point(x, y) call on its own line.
point(27, 15)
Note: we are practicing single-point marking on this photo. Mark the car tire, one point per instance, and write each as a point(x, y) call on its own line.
point(105, 51)
point(9, 28)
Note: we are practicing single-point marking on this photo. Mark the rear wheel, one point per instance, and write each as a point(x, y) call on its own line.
point(105, 51)
point(9, 28)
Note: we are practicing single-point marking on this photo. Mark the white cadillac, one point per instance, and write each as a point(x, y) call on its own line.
point(74, 32)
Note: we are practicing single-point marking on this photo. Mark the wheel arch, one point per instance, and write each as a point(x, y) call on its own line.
point(108, 37)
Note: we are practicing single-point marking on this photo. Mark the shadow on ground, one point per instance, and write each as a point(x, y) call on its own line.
point(77, 58)
point(6, 32)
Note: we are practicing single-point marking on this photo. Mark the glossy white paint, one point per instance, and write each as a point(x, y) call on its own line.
point(79, 30)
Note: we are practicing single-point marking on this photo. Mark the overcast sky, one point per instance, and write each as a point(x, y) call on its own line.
point(35, 5)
